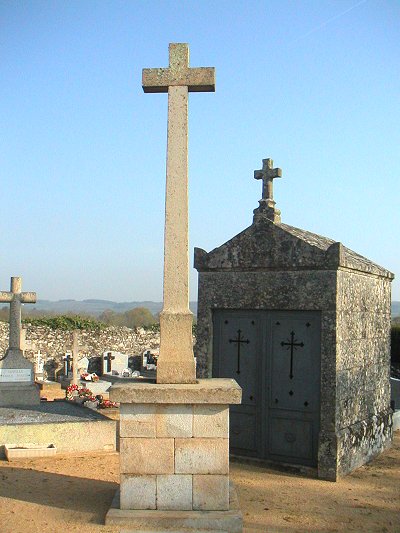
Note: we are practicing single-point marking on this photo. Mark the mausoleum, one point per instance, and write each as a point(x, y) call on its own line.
point(302, 323)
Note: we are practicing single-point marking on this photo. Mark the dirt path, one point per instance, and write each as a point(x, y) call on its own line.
point(73, 494)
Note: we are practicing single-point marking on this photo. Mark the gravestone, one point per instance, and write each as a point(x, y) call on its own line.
point(39, 366)
point(174, 445)
point(114, 363)
point(303, 324)
point(17, 385)
point(83, 364)
point(67, 359)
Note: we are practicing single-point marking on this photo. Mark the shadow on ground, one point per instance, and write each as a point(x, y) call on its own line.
point(92, 496)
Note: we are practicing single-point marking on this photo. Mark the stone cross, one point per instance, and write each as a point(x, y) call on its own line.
point(267, 174)
point(16, 298)
point(176, 362)
point(76, 349)
point(109, 358)
point(67, 363)
point(267, 204)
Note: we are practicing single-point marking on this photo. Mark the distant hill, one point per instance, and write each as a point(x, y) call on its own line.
point(96, 307)
point(395, 309)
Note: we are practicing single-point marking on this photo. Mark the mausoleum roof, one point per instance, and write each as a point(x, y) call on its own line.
point(269, 245)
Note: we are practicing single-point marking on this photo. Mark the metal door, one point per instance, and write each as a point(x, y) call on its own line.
point(275, 358)
point(237, 355)
point(293, 385)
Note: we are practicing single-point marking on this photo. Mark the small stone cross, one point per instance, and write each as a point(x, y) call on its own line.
point(16, 298)
point(67, 360)
point(76, 349)
point(109, 357)
point(267, 174)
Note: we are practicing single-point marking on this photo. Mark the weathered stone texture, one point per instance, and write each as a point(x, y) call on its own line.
point(138, 492)
point(210, 492)
point(201, 456)
point(363, 419)
point(137, 420)
point(174, 492)
point(146, 456)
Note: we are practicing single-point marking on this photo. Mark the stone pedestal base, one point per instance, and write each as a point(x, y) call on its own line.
point(230, 521)
point(174, 455)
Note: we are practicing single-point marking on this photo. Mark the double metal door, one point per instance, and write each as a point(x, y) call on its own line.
point(275, 358)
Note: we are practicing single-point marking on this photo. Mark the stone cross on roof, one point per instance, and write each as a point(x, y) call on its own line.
point(267, 204)
point(16, 298)
point(267, 174)
point(176, 363)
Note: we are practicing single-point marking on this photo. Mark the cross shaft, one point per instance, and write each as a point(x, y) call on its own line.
point(76, 348)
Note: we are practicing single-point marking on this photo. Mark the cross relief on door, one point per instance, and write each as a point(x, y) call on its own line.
point(239, 340)
point(292, 344)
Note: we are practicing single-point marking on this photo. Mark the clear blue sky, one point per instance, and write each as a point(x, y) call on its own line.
point(314, 85)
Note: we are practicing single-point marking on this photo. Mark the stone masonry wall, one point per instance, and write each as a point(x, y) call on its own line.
point(363, 416)
point(54, 343)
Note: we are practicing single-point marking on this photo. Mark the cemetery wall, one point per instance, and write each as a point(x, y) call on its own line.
point(363, 416)
point(54, 343)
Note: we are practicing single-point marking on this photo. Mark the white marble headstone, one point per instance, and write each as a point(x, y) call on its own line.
point(114, 363)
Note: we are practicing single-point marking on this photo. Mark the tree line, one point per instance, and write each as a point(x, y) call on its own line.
point(134, 318)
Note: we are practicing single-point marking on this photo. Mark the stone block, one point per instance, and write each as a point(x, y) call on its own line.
point(190, 521)
point(138, 492)
point(146, 456)
point(174, 421)
point(201, 456)
point(210, 391)
point(211, 421)
point(210, 493)
point(174, 492)
point(138, 420)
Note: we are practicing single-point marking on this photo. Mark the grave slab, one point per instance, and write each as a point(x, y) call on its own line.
point(69, 427)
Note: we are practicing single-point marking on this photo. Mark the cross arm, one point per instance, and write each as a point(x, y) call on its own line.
point(28, 297)
point(199, 79)
point(6, 296)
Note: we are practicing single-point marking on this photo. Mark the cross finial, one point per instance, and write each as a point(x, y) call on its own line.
point(267, 174)
point(267, 204)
